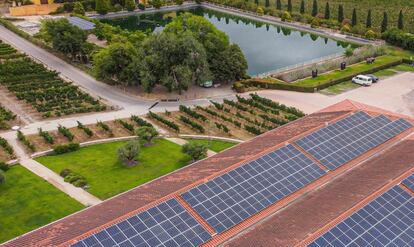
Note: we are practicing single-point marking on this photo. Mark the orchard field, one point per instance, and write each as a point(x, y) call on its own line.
point(392, 7)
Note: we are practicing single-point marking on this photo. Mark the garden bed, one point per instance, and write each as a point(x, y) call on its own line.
point(106, 175)
point(28, 202)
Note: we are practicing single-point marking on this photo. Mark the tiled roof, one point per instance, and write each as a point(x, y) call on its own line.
point(304, 212)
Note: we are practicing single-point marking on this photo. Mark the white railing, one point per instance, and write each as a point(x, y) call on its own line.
point(294, 66)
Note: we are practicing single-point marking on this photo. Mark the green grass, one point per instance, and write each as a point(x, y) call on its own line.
point(107, 177)
point(385, 72)
point(28, 202)
point(214, 145)
point(340, 88)
point(404, 68)
point(359, 68)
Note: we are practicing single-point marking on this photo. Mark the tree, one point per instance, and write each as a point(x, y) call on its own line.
point(384, 24)
point(174, 60)
point(64, 36)
point(289, 8)
point(302, 7)
point(157, 3)
point(147, 133)
point(354, 19)
point(102, 6)
point(195, 150)
point(130, 5)
point(401, 20)
point(2, 177)
point(315, 8)
point(341, 15)
point(327, 11)
point(117, 62)
point(278, 5)
point(256, 2)
point(179, 2)
point(78, 8)
point(215, 42)
point(267, 3)
point(127, 154)
point(369, 20)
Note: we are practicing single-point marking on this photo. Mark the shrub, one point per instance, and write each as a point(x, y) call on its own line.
point(46, 136)
point(4, 167)
point(168, 123)
point(85, 129)
point(2, 177)
point(22, 138)
point(140, 121)
point(260, 11)
point(6, 146)
point(315, 22)
point(192, 124)
point(195, 150)
point(126, 125)
point(191, 113)
point(66, 133)
point(346, 28)
point(65, 172)
point(102, 6)
point(349, 52)
point(80, 182)
point(78, 8)
point(253, 130)
point(286, 16)
point(370, 34)
point(127, 154)
point(105, 127)
point(66, 148)
point(141, 6)
point(147, 133)
point(399, 38)
point(130, 5)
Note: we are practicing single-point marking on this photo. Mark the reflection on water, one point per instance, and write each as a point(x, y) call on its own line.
point(266, 47)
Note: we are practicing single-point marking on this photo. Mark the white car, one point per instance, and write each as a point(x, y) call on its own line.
point(362, 80)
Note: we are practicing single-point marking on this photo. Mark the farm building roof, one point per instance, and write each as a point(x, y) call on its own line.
point(325, 188)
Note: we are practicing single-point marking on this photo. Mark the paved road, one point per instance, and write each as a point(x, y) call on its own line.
point(94, 87)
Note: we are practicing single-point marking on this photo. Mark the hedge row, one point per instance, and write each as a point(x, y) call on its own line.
point(6, 146)
point(73, 178)
point(170, 124)
point(22, 138)
point(46, 136)
point(66, 148)
point(191, 113)
point(85, 129)
point(193, 124)
point(140, 121)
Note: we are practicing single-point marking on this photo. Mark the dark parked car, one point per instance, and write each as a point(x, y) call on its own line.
point(373, 78)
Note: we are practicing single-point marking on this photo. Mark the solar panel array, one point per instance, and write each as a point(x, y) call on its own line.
point(167, 224)
point(235, 196)
point(409, 182)
point(350, 137)
point(81, 23)
point(386, 221)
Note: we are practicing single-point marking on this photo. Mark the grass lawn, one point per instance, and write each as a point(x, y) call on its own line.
point(385, 72)
point(107, 177)
point(214, 145)
point(359, 68)
point(340, 88)
point(404, 68)
point(28, 202)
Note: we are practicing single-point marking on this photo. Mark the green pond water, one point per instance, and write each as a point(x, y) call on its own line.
point(266, 47)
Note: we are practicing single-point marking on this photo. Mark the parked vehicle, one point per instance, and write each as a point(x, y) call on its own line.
point(362, 80)
point(207, 84)
point(373, 78)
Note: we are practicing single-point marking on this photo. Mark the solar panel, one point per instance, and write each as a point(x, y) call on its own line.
point(235, 196)
point(167, 224)
point(81, 23)
point(386, 221)
point(409, 182)
point(349, 144)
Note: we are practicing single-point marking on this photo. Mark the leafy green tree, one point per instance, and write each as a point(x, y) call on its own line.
point(384, 23)
point(64, 36)
point(179, 2)
point(327, 11)
point(174, 60)
point(78, 8)
point(130, 5)
point(369, 19)
point(215, 42)
point(117, 62)
point(157, 3)
point(127, 154)
point(102, 6)
point(401, 20)
point(341, 14)
point(2, 177)
point(354, 19)
point(314, 8)
point(278, 4)
point(147, 133)
point(267, 3)
point(302, 7)
point(289, 7)
point(195, 150)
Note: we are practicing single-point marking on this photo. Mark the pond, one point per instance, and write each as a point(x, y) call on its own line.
point(266, 47)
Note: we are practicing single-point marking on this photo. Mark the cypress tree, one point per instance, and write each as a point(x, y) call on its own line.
point(369, 19)
point(401, 20)
point(327, 11)
point(289, 5)
point(341, 14)
point(354, 20)
point(302, 7)
point(315, 8)
point(267, 4)
point(278, 5)
point(384, 24)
